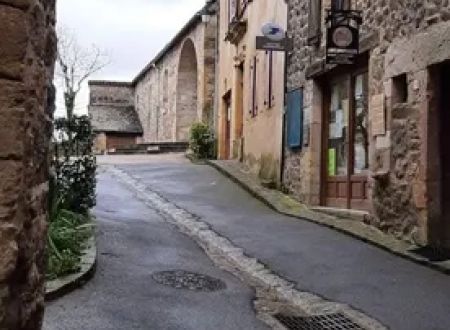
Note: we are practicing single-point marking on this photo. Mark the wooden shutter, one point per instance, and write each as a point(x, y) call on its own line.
point(254, 87)
point(270, 92)
point(294, 119)
point(314, 22)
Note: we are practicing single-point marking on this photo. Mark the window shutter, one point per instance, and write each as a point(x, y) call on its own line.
point(314, 22)
point(254, 96)
point(271, 94)
point(294, 118)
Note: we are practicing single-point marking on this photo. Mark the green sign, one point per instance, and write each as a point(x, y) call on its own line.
point(331, 162)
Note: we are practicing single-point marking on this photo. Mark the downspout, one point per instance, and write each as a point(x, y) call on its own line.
point(283, 129)
point(216, 81)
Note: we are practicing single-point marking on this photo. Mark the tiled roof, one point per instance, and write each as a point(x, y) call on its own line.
point(112, 118)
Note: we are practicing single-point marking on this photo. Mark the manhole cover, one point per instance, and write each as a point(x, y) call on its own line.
point(336, 321)
point(181, 279)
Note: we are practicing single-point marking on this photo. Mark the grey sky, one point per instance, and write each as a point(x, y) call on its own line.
point(132, 31)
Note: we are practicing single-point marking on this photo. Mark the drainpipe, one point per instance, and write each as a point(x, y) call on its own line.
point(283, 129)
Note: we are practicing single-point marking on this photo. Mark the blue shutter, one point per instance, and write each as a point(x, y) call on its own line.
point(294, 118)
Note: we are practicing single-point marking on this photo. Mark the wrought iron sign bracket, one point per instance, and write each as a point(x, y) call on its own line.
point(342, 45)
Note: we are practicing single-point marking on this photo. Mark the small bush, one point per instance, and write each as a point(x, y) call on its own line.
point(66, 240)
point(202, 141)
point(74, 163)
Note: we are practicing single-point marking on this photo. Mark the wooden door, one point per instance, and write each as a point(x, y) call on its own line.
point(346, 144)
point(445, 152)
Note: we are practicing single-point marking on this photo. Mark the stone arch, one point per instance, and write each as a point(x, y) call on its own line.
point(187, 90)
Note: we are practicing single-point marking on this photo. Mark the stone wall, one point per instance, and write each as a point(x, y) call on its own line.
point(27, 55)
point(162, 89)
point(400, 37)
point(111, 93)
point(252, 130)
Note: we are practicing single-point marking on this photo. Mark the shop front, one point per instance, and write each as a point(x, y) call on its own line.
point(345, 149)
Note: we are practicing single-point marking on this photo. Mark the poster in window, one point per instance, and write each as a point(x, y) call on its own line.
point(331, 162)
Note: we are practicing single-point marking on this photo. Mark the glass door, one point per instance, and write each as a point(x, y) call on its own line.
point(347, 145)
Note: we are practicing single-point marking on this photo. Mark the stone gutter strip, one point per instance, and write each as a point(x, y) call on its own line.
point(286, 205)
point(64, 285)
point(226, 255)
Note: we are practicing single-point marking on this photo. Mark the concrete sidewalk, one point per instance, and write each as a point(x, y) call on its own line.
point(286, 205)
point(395, 291)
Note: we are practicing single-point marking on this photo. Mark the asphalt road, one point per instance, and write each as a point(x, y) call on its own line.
point(400, 294)
point(133, 243)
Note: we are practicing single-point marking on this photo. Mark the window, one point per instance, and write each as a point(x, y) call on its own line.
point(400, 89)
point(232, 10)
point(314, 22)
point(294, 119)
point(341, 4)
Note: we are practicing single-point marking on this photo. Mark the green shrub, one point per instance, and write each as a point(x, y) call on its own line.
point(75, 163)
point(71, 195)
point(66, 240)
point(201, 141)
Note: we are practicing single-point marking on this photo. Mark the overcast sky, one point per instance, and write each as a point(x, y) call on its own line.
point(131, 31)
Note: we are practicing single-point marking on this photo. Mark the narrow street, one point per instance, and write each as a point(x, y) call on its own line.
point(134, 242)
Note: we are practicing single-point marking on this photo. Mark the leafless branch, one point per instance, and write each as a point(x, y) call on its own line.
point(76, 64)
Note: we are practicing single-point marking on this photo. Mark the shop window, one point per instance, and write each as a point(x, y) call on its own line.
point(400, 89)
point(294, 119)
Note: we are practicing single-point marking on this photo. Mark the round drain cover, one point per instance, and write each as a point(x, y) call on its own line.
point(181, 279)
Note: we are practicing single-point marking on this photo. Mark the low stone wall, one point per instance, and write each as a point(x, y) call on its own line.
point(27, 56)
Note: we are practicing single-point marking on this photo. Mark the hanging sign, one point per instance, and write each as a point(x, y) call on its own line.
point(342, 36)
point(273, 31)
point(273, 39)
point(264, 43)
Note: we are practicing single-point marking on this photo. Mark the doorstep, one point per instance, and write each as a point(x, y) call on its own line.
point(344, 222)
point(356, 215)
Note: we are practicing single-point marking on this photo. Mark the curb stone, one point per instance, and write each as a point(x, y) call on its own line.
point(365, 233)
point(61, 286)
point(226, 255)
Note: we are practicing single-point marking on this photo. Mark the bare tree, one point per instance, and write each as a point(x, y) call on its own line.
point(75, 65)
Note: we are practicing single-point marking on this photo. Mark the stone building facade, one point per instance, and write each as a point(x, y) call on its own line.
point(27, 56)
point(113, 116)
point(177, 87)
point(376, 130)
point(250, 87)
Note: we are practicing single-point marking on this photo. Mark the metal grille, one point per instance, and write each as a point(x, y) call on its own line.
point(181, 279)
point(336, 321)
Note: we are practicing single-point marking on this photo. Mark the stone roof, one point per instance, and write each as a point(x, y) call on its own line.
point(113, 118)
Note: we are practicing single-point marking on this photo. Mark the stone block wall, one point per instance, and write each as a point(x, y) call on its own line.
point(162, 88)
point(27, 56)
point(111, 93)
point(401, 37)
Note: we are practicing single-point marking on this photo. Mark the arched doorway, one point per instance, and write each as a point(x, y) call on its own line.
point(187, 90)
